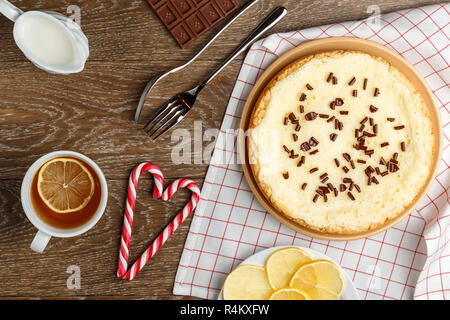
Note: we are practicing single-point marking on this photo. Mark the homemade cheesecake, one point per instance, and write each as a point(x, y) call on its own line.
point(340, 142)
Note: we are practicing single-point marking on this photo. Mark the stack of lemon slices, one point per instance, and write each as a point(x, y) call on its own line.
point(289, 274)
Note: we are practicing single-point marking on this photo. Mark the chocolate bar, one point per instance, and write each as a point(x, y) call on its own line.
point(187, 20)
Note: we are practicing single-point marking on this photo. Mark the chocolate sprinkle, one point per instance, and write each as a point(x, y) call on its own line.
point(369, 170)
point(330, 76)
point(365, 84)
point(373, 109)
point(302, 161)
point(315, 198)
point(323, 175)
point(298, 127)
point(363, 121)
point(332, 105)
point(302, 108)
point(337, 162)
point(351, 196)
point(352, 164)
point(392, 167)
point(345, 169)
point(295, 137)
point(335, 192)
point(302, 97)
point(305, 146)
point(304, 186)
point(399, 127)
point(286, 175)
point(360, 161)
point(402, 146)
point(323, 115)
point(286, 149)
point(333, 137)
point(324, 180)
point(352, 81)
point(313, 142)
point(339, 102)
point(331, 119)
point(334, 80)
point(346, 156)
point(324, 189)
point(310, 116)
point(309, 87)
point(285, 121)
point(376, 92)
point(313, 170)
point(395, 156)
point(343, 112)
point(390, 119)
point(355, 93)
point(314, 152)
point(384, 144)
point(375, 129)
point(292, 116)
point(342, 187)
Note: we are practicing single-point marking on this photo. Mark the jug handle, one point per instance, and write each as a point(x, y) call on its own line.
point(9, 10)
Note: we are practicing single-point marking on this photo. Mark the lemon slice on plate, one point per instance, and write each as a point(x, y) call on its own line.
point(65, 185)
point(320, 279)
point(289, 294)
point(283, 263)
point(246, 282)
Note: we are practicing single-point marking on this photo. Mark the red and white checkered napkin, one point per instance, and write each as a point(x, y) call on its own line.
point(410, 260)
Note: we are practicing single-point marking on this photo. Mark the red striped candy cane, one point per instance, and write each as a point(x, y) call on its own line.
point(170, 228)
point(129, 208)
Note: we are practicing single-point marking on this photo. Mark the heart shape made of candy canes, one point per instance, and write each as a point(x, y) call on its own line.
point(158, 192)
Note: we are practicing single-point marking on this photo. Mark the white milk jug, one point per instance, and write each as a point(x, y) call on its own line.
point(51, 41)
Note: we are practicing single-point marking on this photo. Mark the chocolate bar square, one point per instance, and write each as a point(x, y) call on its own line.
point(168, 15)
point(184, 7)
point(186, 20)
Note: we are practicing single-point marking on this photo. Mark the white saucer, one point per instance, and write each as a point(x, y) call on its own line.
point(260, 258)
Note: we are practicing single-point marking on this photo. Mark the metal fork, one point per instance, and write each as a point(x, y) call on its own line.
point(174, 110)
point(162, 75)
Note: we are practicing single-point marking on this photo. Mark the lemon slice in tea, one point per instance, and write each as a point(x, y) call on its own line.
point(65, 185)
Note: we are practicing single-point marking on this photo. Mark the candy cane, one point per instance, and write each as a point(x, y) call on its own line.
point(129, 208)
point(167, 232)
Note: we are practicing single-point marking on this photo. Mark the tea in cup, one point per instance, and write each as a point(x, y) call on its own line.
point(63, 194)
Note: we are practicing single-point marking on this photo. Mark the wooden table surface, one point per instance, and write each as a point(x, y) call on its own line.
point(92, 113)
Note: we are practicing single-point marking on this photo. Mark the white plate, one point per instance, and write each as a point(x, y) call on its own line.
point(260, 258)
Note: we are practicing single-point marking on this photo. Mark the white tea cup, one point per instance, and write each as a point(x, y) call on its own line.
point(50, 40)
point(46, 231)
